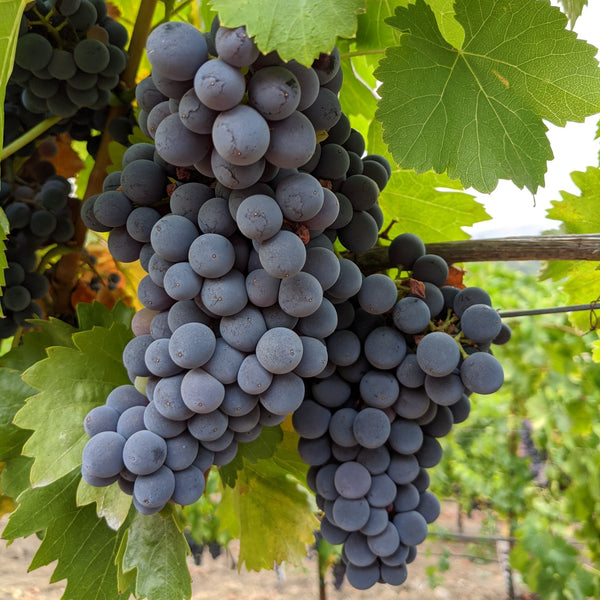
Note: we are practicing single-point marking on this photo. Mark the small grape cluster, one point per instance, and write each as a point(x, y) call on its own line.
point(242, 276)
point(39, 215)
point(400, 373)
point(69, 55)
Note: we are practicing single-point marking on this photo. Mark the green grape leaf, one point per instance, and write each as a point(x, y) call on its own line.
point(10, 20)
point(34, 342)
point(207, 14)
point(298, 30)
point(156, 550)
point(111, 503)
point(355, 97)
point(262, 447)
point(286, 455)
point(374, 33)
point(85, 547)
point(96, 313)
point(115, 153)
point(4, 227)
point(477, 111)
point(124, 580)
point(13, 393)
point(429, 205)
point(72, 382)
point(579, 213)
point(265, 493)
point(15, 475)
point(573, 9)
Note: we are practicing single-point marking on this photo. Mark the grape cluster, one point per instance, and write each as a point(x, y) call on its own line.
point(400, 374)
point(68, 61)
point(242, 277)
point(39, 215)
point(69, 55)
point(250, 315)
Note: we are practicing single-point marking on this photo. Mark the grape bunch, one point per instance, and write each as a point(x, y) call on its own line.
point(250, 315)
point(69, 58)
point(242, 278)
point(69, 55)
point(400, 375)
point(39, 214)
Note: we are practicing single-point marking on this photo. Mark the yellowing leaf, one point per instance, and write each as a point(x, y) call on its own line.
point(268, 510)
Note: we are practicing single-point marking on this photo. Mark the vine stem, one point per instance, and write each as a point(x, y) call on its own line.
point(28, 136)
point(543, 247)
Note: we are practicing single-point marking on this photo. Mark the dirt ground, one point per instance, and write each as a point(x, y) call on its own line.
point(468, 577)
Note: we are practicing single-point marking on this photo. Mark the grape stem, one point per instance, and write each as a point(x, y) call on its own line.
point(28, 136)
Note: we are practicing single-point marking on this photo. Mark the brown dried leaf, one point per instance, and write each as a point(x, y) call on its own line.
point(66, 162)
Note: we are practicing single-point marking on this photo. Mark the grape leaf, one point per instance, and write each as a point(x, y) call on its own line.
point(429, 205)
point(10, 20)
point(34, 342)
point(355, 97)
point(85, 547)
point(15, 476)
point(374, 33)
point(418, 205)
point(124, 580)
point(111, 503)
point(579, 213)
point(265, 494)
point(286, 454)
point(13, 392)
point(72, 382)
point(89, 315)
point(477, 111)
point(573, 9)
point(298, 30)
point(156, 550)
point(262, 447)
point(4, 227)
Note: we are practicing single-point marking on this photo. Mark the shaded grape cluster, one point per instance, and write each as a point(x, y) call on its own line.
point(69, 58)
point(39, 214)
point(401, 369)
point(69, 55)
